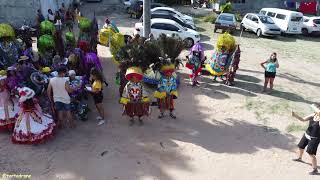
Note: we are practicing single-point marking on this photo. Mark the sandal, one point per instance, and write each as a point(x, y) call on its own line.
point(297, 160)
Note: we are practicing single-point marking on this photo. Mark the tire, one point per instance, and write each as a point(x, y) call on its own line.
point(305, 32)
point(189, 42)
point(259, 33)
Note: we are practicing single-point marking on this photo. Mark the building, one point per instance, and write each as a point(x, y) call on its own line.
point(16, 12)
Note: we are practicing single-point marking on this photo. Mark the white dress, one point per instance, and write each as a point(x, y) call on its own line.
point(32, 126)
point(7, 123)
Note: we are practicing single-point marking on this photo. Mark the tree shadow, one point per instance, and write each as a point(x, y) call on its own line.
point(207, 46)
point(204, 37)
point(200, 29)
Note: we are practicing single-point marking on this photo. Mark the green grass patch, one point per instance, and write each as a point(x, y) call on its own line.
point(296, 128)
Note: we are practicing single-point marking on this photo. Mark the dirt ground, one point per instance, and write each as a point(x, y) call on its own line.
point(222, 132)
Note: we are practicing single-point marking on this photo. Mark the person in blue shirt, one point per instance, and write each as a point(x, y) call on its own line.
point(270, 67)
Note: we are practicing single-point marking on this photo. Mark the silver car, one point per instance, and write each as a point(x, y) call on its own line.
point(260, 24)
point(225, 22)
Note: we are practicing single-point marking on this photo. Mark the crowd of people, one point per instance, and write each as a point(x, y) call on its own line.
point(40, 94)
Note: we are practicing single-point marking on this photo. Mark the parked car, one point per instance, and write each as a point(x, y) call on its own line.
point(187, 18)
point(290, 22)
point(226, 21)
point(260, 24)
point(311, 25)
point(170, 27)
point(174, 17)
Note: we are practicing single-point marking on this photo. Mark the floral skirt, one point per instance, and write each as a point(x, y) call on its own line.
point(8, 124)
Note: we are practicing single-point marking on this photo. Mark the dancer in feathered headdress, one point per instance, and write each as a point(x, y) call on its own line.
point(84, 35)
point(46, 50)
point(167, 87)
point(134, 97)
point(9, 48)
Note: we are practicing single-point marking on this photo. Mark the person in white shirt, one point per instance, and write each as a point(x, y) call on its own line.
point(59, 89)
point(50, 15)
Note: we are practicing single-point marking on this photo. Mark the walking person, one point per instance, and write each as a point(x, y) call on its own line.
point(59, 89)
point(311, 137)
point(97, 94)
point(270, 71)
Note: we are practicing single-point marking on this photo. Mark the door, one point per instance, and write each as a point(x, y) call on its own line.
point(255, 23)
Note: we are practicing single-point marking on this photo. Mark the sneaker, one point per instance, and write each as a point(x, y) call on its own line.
point(99, 118)
point(161, 116)
point(297, 160)
point(101, 122)
point(314, 172)
point(172, 116)
point(141, 122)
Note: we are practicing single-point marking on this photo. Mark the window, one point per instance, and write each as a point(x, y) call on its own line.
point(226, 18)
point(266, 20)
point(296, 19)
point(271, 14)
point(263, 12)
point(249, 16)
point(255, 19)
point(158, 26)
point(316, 21)
point(306, 20)
point(171, 27)
point(281, 16)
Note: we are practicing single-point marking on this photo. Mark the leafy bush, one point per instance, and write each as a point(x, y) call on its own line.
point(239, 17)
point(211, 18)
point(226, 8)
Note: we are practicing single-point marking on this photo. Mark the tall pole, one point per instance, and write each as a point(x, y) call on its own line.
point(146, 18)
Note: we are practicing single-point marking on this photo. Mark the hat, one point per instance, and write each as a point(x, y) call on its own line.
point(12, 68)
point(71, 72)
point(46, 70)
point(134, 72)
point(23, 58)
point(25, 93)
point(168, 68)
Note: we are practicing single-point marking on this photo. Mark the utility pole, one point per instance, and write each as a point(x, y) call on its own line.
point(146, 18)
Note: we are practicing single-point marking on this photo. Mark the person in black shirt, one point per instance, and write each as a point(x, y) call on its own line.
point(311, 138)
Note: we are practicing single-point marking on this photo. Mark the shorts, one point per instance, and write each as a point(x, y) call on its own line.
point(59, 106)
point(312, 144)
point(269, 74)
point(97, 98)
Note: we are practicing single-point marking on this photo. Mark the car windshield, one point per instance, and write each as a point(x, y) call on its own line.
point(226, 18)
point(266, 20)
point(296, 19)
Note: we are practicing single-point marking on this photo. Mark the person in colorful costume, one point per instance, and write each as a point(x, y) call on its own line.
point(8, 111)
point(9, 47)
point(84, 35)
point(195, 60)
point(167, 89)
point(134, 98)
point(235, 60)
point(221, 59)
point(46, 49)
point(32, 126)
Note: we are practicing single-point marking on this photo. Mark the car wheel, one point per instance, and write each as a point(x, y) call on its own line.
point(305, 31)
point(188, 42)
point(259, 32)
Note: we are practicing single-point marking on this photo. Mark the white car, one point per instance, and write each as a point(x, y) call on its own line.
point(311, 25)
point(187, 18)
point(170, 27)
point(260, 24)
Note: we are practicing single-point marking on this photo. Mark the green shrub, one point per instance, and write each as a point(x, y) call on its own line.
point(226, 8)
point(239, 17)
point(210, 18)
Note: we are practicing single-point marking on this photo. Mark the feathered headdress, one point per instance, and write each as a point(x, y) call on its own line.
point(84, 24)
point(226, 42)
point(171, 46)
point(70, 38)
point(6, 30)
point(47, 27)
point(45, 42)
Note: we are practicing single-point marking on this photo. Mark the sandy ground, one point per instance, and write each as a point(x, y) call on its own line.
point(222, 133)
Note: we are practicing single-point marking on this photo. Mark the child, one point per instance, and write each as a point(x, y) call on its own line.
point(96, 90)
point(32, 126)
point(167, 90)
point(270, 71)
point(8, 113)
point(134, 98)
